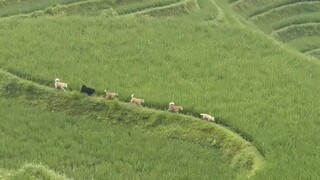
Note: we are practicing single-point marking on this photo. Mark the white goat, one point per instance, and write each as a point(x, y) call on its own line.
point(60, 85)
point(207, 117)
point(173, 108)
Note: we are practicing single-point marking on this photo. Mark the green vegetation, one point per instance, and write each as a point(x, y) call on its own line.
point(177, 9)
point(286, 14)
point(14, 7)
point(31, 172)
point(103, 139)
point(208, 56)
point(314, 53)
point(138, 6)
point(295, 20)
point(305, 44)
point(286, 20)
point(292, 32)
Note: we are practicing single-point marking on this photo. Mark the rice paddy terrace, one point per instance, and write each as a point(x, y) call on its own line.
point(293, 22)
point(264, 94)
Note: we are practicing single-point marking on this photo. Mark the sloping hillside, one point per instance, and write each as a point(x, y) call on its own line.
point(293, 22)
point(207, 58)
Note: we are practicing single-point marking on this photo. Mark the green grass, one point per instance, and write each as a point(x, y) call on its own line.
point(314, 53)
point(283, 15)
point(177, 9)
point(85, 8)
point(286, 20)
point(83, 148)
point(138, 6)
point(208, 11)
point(240, 76)
point(251, 83)
point(31, 171)
point(292, 32)
point(305, 44)
point(28, 6)
point(295, 20)
point(249, 8)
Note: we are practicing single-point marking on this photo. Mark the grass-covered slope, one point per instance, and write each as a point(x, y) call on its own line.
point(259, 88)
point(104, 8)
point(31, 171)
point(241, 155)
point(284, 18)
point(14, 7)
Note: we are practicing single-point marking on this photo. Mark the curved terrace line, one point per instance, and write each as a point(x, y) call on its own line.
point(39, 8)
point(228, 142)
point(280, 7)
point(296, 19)
point(221, 12)
point(312, 50)
point(313, 22)
point(159, 8)
point(150, 7)
point(235, 2)
point(292, 26)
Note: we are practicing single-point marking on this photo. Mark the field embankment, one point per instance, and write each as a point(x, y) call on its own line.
point(110, 8)
point(250, 81)
point(32, 172)
point(285, 20)
point(243, 156)
point(85, 148)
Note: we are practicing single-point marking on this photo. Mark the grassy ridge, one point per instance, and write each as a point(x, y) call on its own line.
point(138, 6)
point(256, 8)
point(292, 32)
point(107, 8)
point(305, 44)
point(31, 172)
point(93, 7)
point(266, 21)
point(314, 53)
point(28, 6)
point(243, 156)
point(294, 20)
point(85, 148)
point(286, 20)
point(177, 9)
point(236, 74)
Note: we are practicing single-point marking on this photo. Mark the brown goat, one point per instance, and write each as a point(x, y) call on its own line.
point(110, 95)
point(136, 100)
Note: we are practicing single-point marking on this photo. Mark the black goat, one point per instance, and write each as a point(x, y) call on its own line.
point(87, 90)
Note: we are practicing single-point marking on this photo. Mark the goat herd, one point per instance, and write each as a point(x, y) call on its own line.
point(111, 95)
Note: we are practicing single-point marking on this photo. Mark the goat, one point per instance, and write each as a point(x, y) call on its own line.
point(87, 90)
point(207, 117)
point(60, 85)
point(136, 100)
point(110, 95)
point(173, 108)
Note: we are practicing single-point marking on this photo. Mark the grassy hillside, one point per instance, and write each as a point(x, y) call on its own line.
point(241, 155)
point(32, 172)
point(83, 148)
point(210, 61)
point(286, 20)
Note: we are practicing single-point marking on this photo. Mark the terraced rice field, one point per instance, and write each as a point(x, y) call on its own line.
point(286, 20)
point(211, 56)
